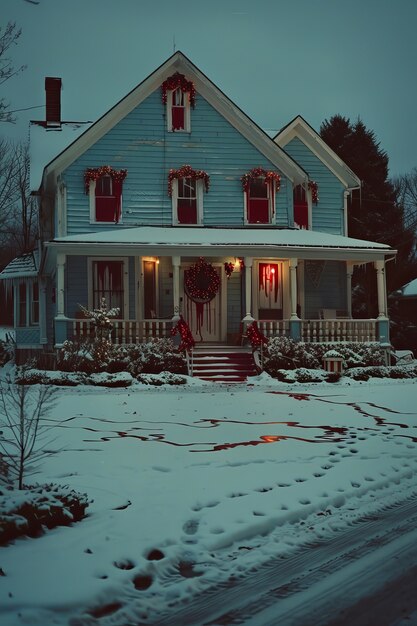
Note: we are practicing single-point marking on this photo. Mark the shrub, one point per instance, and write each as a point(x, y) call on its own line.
point(164, 378)
point(31, 510)
point(6, 352)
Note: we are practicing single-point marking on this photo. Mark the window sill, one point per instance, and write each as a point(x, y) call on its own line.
point(120, 223)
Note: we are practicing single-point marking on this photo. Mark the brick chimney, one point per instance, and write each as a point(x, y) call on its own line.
point(53, 101)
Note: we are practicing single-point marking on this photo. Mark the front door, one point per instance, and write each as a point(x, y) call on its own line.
point(203, 318)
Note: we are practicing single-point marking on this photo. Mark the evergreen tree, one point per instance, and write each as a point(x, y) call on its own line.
point(375, 212)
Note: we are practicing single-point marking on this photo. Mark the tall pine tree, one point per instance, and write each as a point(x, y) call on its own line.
point(374, 212)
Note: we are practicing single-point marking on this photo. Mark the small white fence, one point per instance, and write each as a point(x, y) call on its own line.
point(327, 331)
point(324, 331)
point(124, 331)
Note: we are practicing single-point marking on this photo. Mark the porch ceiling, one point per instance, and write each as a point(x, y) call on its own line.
point(259, 242)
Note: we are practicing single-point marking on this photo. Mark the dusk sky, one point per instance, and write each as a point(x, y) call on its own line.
point(274, 59)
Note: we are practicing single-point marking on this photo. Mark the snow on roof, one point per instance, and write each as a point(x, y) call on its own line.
point(45, 144)
point(177, 236)
point(24, 266)
point(410, 290)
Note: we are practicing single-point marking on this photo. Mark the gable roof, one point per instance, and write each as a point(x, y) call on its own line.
point(178, 62)
point(298, 127)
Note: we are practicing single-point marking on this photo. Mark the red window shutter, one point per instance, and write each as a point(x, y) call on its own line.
point(258, 211)
point(178, 118)
point(187, 211)
point(301, 214)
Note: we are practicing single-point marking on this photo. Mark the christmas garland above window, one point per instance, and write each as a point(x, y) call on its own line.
point(94, 173)
point(175, 81)
point(259, 172)
point(186, 171)
point(314, 188)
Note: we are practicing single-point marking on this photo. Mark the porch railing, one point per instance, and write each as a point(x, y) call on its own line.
point(124, 331)
point(272, 328)
point(325, 331)
point(338, 330)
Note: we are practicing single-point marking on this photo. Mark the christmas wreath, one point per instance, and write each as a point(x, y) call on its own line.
point(202, 281)
point(186, 171)
point(175, 81)
point(259, 172)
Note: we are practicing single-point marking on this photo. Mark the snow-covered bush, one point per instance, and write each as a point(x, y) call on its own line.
point(152, 357)
point(399, 371)
point(101, 319)
point(285, 353)
point(30, 510)
point(164, 378)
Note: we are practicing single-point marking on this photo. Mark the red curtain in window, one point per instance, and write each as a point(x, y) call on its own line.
point(187, 211)
point(301, 214)
point(178, 118)
point(258, 210)
point(108, 208)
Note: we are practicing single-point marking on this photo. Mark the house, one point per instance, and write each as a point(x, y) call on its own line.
point(176, 203)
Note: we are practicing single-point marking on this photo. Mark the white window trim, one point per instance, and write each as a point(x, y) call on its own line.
point(92, 196)
point(200, 194)
point(125, 259)
point(309, 198)
point(29, 323)
point(61, 202)
point(187, 113)
point(271, 207)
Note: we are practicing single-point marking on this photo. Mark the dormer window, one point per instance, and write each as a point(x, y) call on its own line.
point(303, 201)
point(186, 187)
point(104, 186)
point(178, 94)
point(300, 207)
point(260, 187)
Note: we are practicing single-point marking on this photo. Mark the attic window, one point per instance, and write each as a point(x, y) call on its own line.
point(178, 94)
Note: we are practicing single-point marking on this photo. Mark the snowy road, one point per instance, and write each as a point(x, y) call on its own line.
point(266, 506)
point(357, 577)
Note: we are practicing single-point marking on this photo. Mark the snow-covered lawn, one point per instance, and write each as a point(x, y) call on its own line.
point(194, 484)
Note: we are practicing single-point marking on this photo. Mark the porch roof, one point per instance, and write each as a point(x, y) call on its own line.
point(192, 241)
point(24, 266)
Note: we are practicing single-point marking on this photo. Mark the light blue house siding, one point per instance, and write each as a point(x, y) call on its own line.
point(328, 213)
point(141, 144)
point(329, 292)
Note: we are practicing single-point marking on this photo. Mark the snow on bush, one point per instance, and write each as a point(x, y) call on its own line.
point(95, 356)
point(285, 353)
point(164, 378)
point(29, 511)
point(6, 352)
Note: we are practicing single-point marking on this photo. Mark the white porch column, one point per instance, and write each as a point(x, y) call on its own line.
point(176, 262)
point(293, 288)
point(248, 260)
point(60, 285)
point(349, 272)
point(42, 311)
point(381, 288)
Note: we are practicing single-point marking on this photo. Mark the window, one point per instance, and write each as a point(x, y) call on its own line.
point(178, 94)
point(260, 187)
point(150, 299)
point(108, 282)
point(270, 291)
point(186, 187)
point(28, 304)
point(187, 201)
point(34, 309)
point(300, 206)
point(22, 308)
point(104, 186)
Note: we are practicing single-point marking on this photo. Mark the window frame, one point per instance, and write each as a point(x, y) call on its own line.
point(187, 112)
point(271, 194)
point(199, 203)
point(28, 306)
point(309, 202)
point(93, 208)
point(124, 314)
